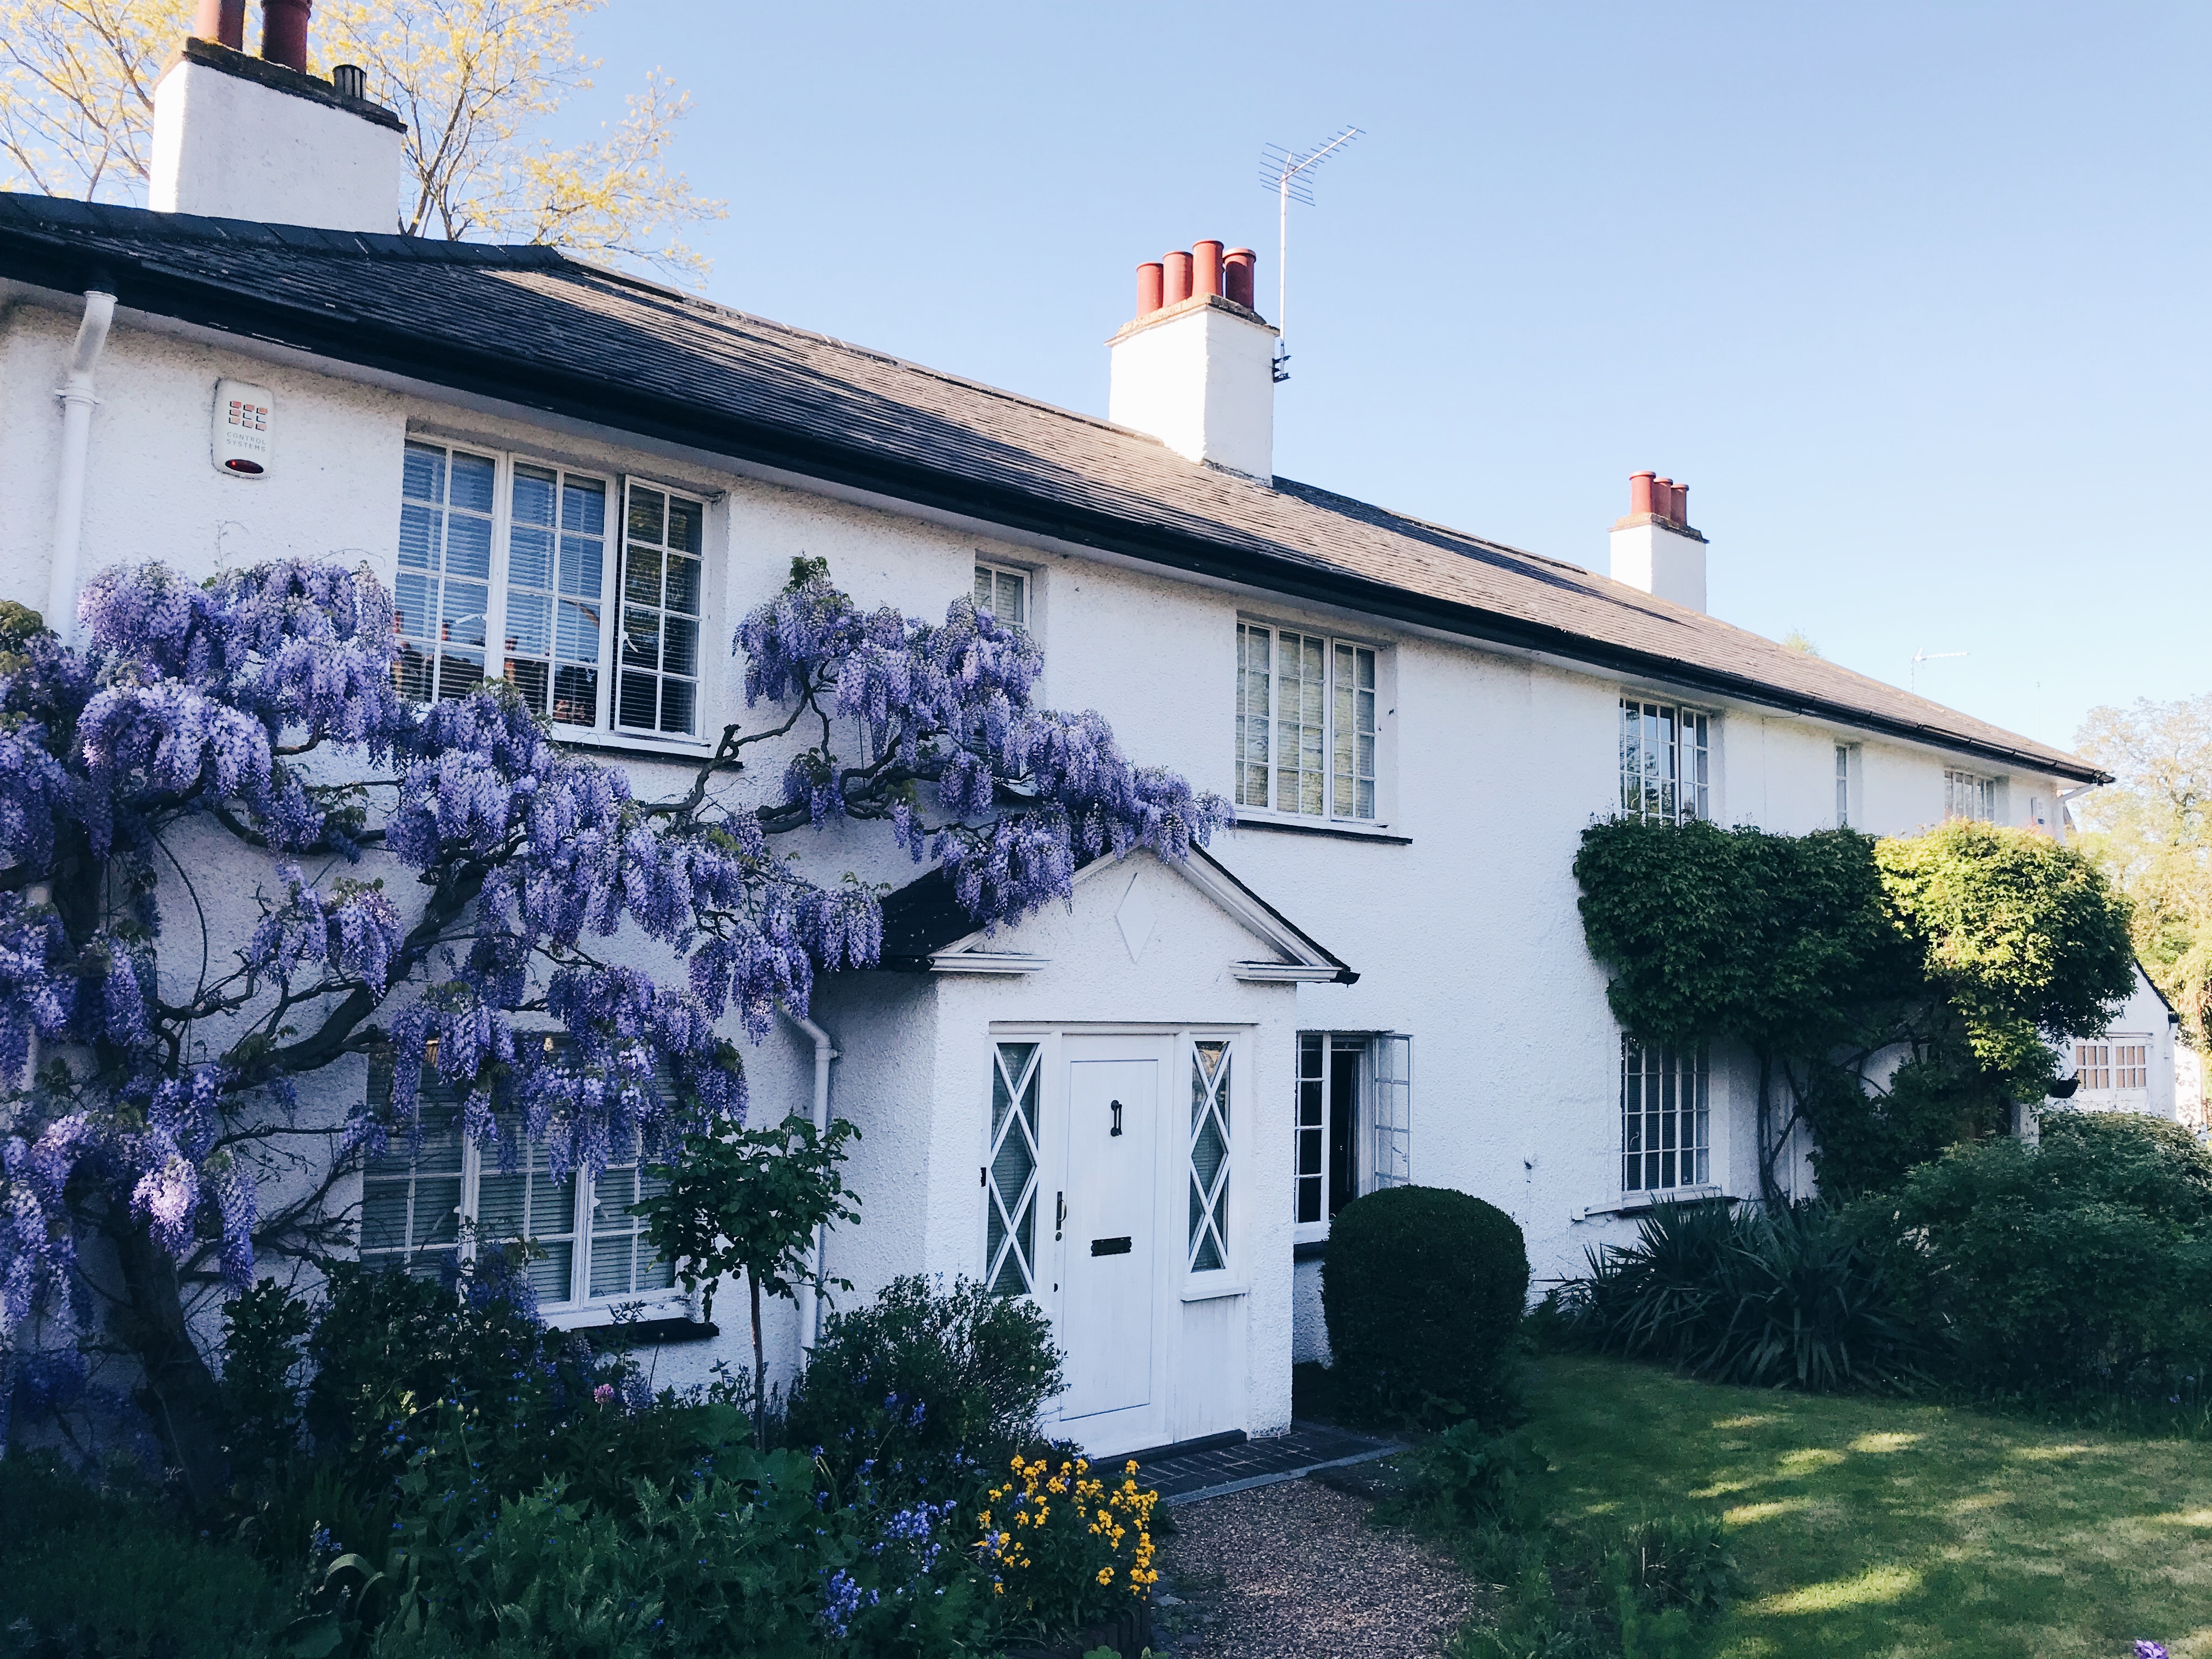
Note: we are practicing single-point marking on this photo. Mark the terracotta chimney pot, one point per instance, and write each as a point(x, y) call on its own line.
point(222, 22)
point(1178, 279)
point(1640, 493)
point(1238, 267)
point(284, 31)
point(1149, 279)
point(1205, 267)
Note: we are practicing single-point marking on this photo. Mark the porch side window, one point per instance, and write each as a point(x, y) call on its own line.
point(1306, 724)
point(661, 593)
point(1666, 1117)
point(1209, 1155)
point(1010, 1179)
point(1665, 761)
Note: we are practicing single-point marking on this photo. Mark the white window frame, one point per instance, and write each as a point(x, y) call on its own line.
point(1013, 1228)
point(1210, 1235)
point(1682, 788)
point(2101, 1064)
point(1846, 771)
point(1969, 795)
point(662, 547)
point(1672, 1117)
point(997, 575)
point(1340, 768)
point(580, 1307)
point(614, 564)
point(1378, 1065)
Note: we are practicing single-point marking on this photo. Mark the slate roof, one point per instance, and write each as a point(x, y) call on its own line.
point(528, 326)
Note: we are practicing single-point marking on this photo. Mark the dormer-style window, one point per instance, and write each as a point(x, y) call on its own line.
point(1665, 761)
point(505, 566)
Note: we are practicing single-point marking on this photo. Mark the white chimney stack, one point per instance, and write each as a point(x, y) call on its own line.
point(1654, 547)
point(1196, 369)
point(240, 138)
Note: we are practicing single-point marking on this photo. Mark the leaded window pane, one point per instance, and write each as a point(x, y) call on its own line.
point(1209, 1167)
point(1011, 1177)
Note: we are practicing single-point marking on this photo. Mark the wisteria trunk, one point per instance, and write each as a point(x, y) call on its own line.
point(178, 1391)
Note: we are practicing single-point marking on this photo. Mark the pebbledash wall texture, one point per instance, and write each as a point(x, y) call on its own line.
point(1399, 977)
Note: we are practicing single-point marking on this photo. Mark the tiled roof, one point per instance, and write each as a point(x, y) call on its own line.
point(530, 326)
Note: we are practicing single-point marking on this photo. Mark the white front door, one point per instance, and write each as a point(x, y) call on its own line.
point(1108, 1283)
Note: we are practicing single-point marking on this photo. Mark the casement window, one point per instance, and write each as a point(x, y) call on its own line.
point(2119, 1067)
point(1003, 592)
point(1843, 786)
point(1010, 1179)
point(1209, 1155)
point(1306, 724)
point(1967, 795)
point(1665, 761)
point(1353, 1121)
point(584, 1248)
point(1666, 1117)
point(505, 567)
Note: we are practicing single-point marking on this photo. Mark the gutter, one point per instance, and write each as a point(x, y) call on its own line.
point(809, 1298)
point(76, 393)
point(337, 333)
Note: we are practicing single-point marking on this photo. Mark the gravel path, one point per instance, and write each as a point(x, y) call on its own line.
point(1293, 1571)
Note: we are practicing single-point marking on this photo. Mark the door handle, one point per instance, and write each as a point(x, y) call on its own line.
point(1060, 1215)
point(1116, 1129)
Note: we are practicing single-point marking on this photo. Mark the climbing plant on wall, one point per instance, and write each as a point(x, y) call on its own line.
point(1895, 994)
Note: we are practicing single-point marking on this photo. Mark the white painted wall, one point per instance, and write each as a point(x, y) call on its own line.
point(1660, 561)
point(228, 147)
point(1199, 376)
point(1462, 925)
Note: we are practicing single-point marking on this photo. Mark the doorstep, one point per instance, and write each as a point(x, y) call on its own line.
point(1186, 1474)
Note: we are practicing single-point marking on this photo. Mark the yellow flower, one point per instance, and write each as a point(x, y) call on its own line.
point(998, 1589)
point(1105, 1575)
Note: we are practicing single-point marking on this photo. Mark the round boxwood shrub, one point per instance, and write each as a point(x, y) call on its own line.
point(1424, 1288)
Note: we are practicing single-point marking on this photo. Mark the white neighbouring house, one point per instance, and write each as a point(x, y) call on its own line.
point(1141, 1108)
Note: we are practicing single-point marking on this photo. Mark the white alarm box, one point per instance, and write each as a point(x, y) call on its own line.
point(243, 417)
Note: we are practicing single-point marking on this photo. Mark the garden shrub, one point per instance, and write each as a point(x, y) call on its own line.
point(107, 1569)
point(921, 1378)
point(1423, 1288)
point(1469, 1479)
point(1789, 1296)
point(2080, 1266)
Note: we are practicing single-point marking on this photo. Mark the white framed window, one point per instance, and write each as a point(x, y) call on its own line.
point(1666, 1117)
point(2120, 1065)
point(1010, 1179)
point(1843, 786)
point(1665, 761)
point(1307, 724)
point(1353, 1121)
point(1969, 795)
point(1209, 1166)
point(662, 589)
point(1003, 591)
point(505, 568)
point(586, 1251)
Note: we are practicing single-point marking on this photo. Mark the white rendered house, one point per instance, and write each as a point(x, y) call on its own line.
point(1143, 1109)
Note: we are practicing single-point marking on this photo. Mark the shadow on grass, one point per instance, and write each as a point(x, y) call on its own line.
point(1870, 1526)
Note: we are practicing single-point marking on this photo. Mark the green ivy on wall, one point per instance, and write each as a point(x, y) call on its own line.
point(1969, 948)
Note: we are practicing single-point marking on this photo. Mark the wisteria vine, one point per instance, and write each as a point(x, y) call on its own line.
point(437, 884)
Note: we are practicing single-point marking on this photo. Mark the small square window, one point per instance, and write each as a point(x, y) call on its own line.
point(1969, 795)
point(1004, 592)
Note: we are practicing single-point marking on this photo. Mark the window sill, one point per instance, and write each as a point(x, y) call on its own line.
point(687, 752)
point(654, 1308)
point(1637, 1203)
point(671, 1332)
point(1309, 1250)
point(1334, 828)
point(1193, 1292)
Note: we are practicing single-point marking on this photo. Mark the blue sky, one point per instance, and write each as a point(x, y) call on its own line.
point(1913, 297)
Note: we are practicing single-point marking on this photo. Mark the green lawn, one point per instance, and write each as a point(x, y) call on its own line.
point(1879, 1528)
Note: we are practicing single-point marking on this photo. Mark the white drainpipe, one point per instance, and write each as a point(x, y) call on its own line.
point(810, 1297)
point(77, 401)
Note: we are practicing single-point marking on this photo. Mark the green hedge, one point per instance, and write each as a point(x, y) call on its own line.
point(1423, 1288)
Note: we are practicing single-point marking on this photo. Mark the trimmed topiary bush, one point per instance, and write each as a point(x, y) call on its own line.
point(1423, 1288)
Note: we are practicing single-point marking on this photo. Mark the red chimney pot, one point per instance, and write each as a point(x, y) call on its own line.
point(1237, 270)
point(1663, 497)
point(1640, 493)
point(1178, 279)
point(1205, 263)
point(222, 22)
point(284, 31)
point(1682, 504)
point(1149, 276)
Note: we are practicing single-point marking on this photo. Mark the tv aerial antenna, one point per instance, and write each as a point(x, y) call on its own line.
point(1289, 173)
point(1925, 655)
